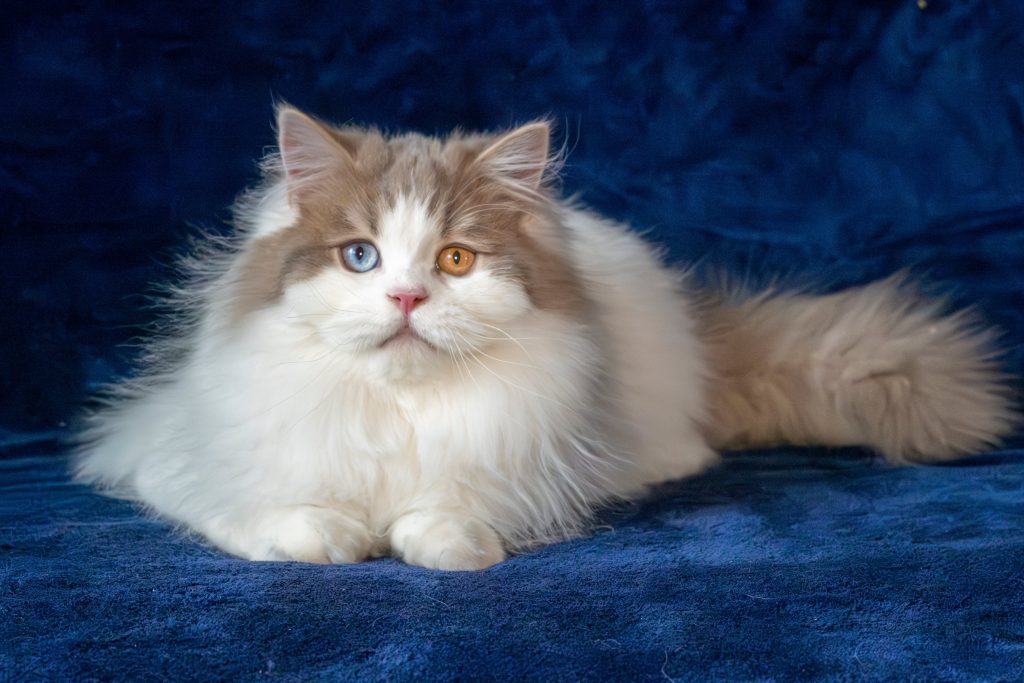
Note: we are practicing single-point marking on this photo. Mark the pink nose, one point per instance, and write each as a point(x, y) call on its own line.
point(407, 299)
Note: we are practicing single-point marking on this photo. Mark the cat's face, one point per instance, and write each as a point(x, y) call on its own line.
point(410, 254)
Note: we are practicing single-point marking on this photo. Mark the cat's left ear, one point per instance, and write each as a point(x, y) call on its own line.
point(520, 156)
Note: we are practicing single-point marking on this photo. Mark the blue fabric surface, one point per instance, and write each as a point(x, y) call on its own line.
point(822, 143)
point(777, 565)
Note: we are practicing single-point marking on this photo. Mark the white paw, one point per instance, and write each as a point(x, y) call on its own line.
point(446, 541)
point(305, 533)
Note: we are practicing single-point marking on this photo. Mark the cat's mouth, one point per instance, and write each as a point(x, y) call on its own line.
point(405, 336)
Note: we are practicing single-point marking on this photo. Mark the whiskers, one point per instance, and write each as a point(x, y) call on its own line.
point(461, 365)
point(331, 307)
point(471, 351)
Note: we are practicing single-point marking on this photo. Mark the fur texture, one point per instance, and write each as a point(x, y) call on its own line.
point(300, 414)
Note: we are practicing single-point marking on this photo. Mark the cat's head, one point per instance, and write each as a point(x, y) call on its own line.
point(408, 252)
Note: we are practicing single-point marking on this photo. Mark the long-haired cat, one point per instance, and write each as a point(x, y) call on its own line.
point(411, 346)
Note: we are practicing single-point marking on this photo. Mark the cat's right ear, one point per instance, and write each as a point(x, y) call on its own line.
point(310, 153)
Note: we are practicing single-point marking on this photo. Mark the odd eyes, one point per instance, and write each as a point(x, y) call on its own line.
point(362, 257)
point(455, 260)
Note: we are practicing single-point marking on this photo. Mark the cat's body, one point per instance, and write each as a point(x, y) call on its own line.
point(445, 414)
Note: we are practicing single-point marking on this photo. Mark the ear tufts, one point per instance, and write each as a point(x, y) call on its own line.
point(521, 156)
point(309, 151)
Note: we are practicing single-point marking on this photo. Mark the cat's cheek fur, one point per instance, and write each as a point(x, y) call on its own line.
point(472, 312)
point(351, 312)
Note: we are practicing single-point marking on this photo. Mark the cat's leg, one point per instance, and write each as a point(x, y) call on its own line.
point(302, 533)
point(445, 539)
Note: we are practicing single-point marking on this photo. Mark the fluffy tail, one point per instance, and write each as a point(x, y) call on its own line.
point(876, 366)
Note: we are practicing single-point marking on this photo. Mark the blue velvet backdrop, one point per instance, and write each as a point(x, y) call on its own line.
point(831, 143)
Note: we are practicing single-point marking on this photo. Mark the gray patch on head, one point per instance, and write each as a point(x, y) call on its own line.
point(472, 208)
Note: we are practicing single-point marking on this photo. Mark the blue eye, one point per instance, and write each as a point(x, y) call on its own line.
point(360, 257)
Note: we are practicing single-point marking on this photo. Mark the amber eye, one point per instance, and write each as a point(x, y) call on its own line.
point(455, 260)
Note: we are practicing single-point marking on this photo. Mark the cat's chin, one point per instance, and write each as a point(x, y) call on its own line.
point(405, 356)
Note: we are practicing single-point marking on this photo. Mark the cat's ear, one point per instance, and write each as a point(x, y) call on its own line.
point(521, 155)
point(310, 151)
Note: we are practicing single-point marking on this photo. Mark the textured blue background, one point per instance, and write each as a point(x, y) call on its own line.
point(829, 143)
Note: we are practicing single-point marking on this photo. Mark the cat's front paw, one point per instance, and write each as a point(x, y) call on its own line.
point(303, 533)
point(446, 541)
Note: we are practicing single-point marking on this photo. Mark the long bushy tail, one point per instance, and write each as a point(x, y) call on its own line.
point(876, 366)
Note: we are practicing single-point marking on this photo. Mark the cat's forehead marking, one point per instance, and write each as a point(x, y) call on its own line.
point(407, 230)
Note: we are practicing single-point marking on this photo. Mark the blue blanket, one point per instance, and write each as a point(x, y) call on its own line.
point(822, 143)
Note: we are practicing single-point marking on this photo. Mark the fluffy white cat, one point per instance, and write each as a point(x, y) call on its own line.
point(413, 347)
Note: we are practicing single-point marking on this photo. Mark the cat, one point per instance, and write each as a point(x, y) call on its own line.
point(412, 346)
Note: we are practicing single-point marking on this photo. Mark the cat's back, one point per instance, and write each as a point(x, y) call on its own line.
point(652, 352)
point(632, 290)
